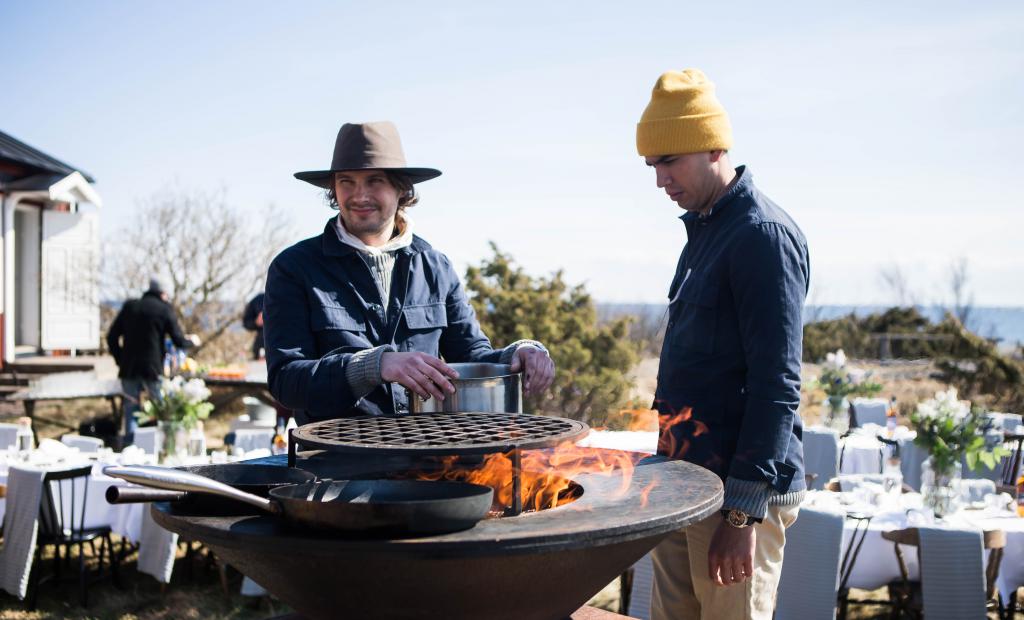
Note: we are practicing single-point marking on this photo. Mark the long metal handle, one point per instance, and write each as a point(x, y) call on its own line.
point(132, 495)
point(177, 480)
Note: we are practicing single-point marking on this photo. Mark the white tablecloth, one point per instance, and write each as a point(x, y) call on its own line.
point(876, 564)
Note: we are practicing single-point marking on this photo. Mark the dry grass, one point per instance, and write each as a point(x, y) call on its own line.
point(140, 597)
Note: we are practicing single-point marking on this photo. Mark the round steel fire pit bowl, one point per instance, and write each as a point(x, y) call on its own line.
point(541, 565)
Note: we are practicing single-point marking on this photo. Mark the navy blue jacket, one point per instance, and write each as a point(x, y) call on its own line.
point(322, 305)
point(730, 364)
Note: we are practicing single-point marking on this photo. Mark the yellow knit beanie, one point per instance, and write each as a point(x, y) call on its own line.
point(684, 116)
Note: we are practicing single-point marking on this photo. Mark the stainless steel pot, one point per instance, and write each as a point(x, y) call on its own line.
point(491, 388)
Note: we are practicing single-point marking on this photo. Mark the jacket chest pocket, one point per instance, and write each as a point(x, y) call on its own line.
point(424, 323)
point(693, 315)
point(336, 326)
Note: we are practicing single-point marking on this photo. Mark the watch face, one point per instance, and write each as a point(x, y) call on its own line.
point(737, 518)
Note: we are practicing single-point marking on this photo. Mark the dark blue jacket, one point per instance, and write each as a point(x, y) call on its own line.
point(322, 305)
point(734, 340)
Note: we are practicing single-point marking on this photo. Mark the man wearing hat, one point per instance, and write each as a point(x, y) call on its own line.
point(729, 376)
point(367, 303)
point(136, 342)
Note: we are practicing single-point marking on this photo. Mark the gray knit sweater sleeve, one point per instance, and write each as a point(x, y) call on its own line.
point(509, 352)
point(363, 370)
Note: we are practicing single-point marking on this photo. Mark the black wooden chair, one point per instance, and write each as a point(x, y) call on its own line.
point(1011, 465)
point(62, 510)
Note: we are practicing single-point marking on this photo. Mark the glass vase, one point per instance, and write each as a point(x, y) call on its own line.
point(174, 445)
point(837, 414)
point(940, 488)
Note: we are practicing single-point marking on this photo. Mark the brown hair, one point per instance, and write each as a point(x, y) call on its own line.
point(407, 194)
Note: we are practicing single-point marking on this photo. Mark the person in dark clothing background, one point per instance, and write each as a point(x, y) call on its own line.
point(252, 320)
point(136, 342)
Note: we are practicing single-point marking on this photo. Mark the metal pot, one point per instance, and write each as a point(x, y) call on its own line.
point(491, 388)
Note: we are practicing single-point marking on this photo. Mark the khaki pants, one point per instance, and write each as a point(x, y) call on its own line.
point(683, 590)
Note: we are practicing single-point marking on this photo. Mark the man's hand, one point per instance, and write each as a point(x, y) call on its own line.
point(259, 320)
point(194, 339)
point(423, 374)
point(731, 554)
point(537, 367)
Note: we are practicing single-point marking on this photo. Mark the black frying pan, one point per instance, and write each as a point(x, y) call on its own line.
point(385, 506)
point(255, 479)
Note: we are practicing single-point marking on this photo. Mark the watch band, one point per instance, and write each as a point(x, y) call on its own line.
point(737, 518)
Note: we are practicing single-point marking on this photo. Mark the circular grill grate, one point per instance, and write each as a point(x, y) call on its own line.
point(439, 433)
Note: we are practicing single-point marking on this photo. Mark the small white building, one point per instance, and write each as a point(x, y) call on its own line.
point(49, 254)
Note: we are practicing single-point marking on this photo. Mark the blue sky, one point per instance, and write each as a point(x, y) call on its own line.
point(891, 132)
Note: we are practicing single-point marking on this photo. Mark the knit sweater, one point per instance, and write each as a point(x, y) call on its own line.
point(363, 371)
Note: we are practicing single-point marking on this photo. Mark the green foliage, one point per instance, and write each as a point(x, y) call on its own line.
point(977, 368)
point(838, 380)
point(860, 337)
point(183, 402)
point(950, 429)
point(964, 360)
point(592, 361)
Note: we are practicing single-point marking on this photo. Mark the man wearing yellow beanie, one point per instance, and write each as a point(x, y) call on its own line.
point(729, 376)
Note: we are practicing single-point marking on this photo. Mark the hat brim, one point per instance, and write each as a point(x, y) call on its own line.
point(322, 178)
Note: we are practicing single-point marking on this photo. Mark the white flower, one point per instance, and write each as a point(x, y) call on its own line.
point(196, 391)
point(857, 375)
point(836, 360)
point(945, 404)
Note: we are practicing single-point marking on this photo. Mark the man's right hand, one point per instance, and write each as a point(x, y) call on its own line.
point(423, 374)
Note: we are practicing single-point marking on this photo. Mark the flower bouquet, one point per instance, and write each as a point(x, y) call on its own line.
point(950, 431)
point(839, 381)
point(180, 407)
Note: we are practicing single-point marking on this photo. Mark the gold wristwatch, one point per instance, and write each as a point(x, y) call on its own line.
point(737, 518)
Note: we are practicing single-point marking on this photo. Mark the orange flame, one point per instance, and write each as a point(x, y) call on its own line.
point(635, 419)
point(546, 476)
point(645, 493)
point(667, 442)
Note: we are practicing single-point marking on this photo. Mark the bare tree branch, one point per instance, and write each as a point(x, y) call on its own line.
point(211, 256)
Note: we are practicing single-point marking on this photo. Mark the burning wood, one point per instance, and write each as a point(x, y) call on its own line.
point(546, 476)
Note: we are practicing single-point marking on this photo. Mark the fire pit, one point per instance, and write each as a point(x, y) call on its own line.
point(542, 564)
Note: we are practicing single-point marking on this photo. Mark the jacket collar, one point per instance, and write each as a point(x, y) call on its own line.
point(332, 245)
point(743, 185)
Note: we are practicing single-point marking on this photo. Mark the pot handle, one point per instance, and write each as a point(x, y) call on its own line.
point(177, 480)
point(131, 495)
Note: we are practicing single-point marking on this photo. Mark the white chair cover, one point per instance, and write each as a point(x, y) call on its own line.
point(157, 549)
point(8, 435)
point(250, 439)
point(643, 584)
point(952, 574)
point(148, 439)
point(810, 566)
point(821, 454)
point(870, 410)
point(21, 524)
point(84, 444)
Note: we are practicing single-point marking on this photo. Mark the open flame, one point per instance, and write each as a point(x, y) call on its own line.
point(668, 443)
point(634, 419)
point(546, 476)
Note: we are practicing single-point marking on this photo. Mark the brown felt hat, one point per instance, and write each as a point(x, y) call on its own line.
point(367, 146)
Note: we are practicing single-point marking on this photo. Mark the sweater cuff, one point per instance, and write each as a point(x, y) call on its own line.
point(510, 351)
point(363, 370)
point(747, 495)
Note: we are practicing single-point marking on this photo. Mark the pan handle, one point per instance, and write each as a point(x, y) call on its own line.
point(177, 480)
point(131, 495)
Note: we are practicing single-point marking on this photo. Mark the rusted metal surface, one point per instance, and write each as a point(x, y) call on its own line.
point(542, 565)
point(439, 433)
